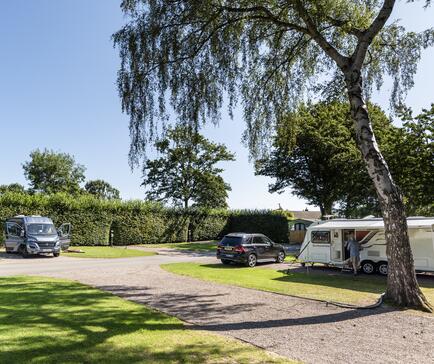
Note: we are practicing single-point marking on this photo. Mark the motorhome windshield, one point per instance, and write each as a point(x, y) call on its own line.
point(41, 229)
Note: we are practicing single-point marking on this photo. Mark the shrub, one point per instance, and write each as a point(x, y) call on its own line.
point(274, 224)
point(140, 222)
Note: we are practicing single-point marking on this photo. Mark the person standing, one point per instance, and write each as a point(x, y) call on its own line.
point(354, 247)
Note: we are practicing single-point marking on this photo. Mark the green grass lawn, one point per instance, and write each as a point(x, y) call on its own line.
point(44, 320)
point(106, 252)
point(201, 246)
point(330, 287)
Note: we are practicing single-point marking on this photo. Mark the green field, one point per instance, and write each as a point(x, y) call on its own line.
point(201, 246)
point(106, 252)
point(44, 320)
point(330, 287)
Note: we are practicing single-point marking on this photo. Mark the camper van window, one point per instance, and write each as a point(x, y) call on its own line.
point(320, 237)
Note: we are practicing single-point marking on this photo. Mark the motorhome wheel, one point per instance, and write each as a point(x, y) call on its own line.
point(24, 252)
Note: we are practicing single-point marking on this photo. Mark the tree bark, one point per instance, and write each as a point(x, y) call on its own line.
point(402, 286)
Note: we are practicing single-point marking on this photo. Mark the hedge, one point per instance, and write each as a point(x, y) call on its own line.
point(141, 222)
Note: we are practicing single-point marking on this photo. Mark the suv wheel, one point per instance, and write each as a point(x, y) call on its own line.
point(251, 260)
point(280, 257)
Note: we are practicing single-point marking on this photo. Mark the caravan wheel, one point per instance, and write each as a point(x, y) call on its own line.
point(382, 268)
point(368, 267)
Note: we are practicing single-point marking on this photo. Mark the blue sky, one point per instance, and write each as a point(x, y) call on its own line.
point(57, 91)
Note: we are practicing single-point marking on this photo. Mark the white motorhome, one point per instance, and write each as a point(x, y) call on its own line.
point(325, 243)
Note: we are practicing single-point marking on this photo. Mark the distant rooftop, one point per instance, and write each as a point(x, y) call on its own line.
point(307, 215)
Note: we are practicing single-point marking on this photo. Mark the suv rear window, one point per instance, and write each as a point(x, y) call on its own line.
point(231, 241)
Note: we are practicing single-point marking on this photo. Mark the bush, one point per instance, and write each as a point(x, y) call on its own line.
point(274, 224)
point(140, 222)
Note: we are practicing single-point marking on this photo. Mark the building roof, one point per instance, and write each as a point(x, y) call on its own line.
point(307, 215)
point(412, 222)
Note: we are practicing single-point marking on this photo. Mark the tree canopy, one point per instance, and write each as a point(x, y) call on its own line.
point(102, 189)
point(269, 54)
point(51, 172)
point(412, 160)
point(314, 152)
point(186, 172)
point(13, 187)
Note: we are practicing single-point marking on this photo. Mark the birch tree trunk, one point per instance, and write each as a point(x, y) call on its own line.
point(402, 286)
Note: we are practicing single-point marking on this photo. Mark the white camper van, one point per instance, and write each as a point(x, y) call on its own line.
point(325, 243)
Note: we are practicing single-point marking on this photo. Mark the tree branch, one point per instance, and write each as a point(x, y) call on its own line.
point(369, 34)
point(331, 51)
point(269, 15)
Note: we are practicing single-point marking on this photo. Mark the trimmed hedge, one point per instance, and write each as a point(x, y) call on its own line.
point(271, 223)
point(141, 222)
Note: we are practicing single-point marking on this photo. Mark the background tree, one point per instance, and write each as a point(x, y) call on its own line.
point(315, 154)
point(411, 160)
point(102, 190)
point(51, 172)
point(13, 187)
point(270, 54)
point(186, 172)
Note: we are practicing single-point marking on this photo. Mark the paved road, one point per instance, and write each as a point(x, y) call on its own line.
point(296, 328)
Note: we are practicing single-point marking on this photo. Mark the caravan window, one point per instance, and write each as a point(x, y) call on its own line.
point(321, 237)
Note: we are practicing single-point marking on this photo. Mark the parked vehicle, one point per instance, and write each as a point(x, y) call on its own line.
point(33, 235)
point(325, 243)
point(249, 249)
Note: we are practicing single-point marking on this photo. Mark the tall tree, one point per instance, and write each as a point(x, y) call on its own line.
point(51, 172)
point(186, 172)
point(314, 153)
point(270, 54)
point(13, 187)
point(102, 190)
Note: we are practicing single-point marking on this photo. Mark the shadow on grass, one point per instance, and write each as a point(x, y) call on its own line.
point(56, 321)
point(329, 277)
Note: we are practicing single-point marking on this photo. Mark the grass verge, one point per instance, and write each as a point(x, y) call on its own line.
point(330, 287)
point(200, 246)
point(106, 252)
point(44, 320)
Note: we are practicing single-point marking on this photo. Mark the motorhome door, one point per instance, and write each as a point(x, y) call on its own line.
point(345, 237)
point(336, 248)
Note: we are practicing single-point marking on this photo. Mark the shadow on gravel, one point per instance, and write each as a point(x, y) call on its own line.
point(185, 306)
point(291, 322)
point(14, 256)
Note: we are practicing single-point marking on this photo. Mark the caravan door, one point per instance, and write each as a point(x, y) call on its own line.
point(336, 248)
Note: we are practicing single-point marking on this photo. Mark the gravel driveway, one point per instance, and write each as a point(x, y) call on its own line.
point(299, 329)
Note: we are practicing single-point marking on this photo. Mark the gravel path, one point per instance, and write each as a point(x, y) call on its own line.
point(296, 328)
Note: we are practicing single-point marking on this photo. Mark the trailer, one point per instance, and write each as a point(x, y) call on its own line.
point(325, 242)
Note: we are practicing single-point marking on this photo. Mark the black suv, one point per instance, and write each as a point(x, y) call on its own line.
point(249, 249)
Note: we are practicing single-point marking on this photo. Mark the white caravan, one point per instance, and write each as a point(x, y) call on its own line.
point(325, 243)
